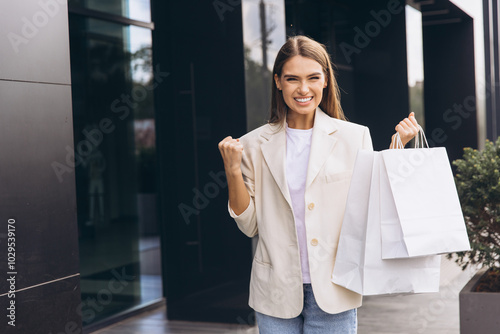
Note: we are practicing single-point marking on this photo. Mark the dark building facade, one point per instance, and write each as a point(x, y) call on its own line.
point(112, 112)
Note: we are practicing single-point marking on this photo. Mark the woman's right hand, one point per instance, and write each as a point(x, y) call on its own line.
point(231, 151)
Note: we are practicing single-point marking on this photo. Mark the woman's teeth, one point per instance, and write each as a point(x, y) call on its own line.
point(304, 100)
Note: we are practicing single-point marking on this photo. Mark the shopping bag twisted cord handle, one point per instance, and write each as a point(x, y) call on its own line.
point(397, 143)
point(420, 140)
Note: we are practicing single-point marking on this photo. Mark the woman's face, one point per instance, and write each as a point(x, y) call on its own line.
point(302, 82)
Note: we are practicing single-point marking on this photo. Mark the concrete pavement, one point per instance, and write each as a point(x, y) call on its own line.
point(434, 313)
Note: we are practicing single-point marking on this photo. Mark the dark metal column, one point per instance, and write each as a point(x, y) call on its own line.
point(492, 68)
point(489, 76)
point(449, 89)
point(206, 259)
point(37, 192)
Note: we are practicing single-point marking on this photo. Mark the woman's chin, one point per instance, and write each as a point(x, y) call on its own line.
point(304, 110)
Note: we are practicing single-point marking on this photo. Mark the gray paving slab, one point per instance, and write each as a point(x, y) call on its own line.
point(434, 313)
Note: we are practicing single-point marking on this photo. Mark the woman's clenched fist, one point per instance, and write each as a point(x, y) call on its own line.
point(231, 151)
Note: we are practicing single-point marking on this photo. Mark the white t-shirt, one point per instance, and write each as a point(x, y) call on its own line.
point(298, 146)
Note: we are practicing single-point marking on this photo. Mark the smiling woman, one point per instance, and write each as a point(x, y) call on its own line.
point(282, 180)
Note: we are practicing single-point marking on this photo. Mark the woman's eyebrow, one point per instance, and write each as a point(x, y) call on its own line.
point(295, 76)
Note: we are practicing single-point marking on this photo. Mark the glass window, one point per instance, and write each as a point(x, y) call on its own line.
point(139, 10)
point(260, 51)
point(415, 58)
point(115, 154)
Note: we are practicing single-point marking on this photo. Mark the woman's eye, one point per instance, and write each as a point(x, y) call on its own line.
point(315, 78)
point(290, 79)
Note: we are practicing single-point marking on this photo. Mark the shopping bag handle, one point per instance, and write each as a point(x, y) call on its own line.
point(420, 140)
point(397, 142)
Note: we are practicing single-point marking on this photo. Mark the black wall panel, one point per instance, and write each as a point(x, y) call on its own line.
point(206, 259)
point(450, 108)
point(37, 181)
point(35, 42)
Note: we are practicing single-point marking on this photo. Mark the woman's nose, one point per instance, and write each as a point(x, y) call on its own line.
point(303, 88)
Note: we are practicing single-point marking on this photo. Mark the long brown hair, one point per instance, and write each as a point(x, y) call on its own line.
point(309, 48)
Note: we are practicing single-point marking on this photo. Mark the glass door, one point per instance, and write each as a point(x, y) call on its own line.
point(115, 159)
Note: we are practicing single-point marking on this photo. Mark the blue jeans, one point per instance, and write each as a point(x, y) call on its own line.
point(312, 320)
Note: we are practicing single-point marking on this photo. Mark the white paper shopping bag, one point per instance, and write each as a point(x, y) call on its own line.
point(359, 265)
point(420, 208)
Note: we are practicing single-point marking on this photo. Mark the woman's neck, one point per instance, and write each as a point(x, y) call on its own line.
point(300, 121)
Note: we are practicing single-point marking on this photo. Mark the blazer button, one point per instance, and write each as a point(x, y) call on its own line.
point(314, 242)
point(310, 206)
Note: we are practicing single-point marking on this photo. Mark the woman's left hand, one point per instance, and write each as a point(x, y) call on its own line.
point(407, 129)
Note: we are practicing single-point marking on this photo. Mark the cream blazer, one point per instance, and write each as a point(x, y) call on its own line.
point(276, 278)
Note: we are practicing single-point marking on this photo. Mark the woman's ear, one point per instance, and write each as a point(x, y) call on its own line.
point(277, 81)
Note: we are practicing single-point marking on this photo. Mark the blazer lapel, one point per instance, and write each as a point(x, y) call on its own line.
point(274, 152)
point(322, 144)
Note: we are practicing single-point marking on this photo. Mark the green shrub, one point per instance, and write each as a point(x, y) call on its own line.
point(478, 185)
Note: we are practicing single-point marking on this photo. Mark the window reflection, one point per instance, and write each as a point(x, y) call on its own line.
point(133, 9)
point(415, 58)
point(113, 111)
point(263, 36)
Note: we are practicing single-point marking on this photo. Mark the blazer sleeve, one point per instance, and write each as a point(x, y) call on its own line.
point(247, 220)
point(367, 140)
